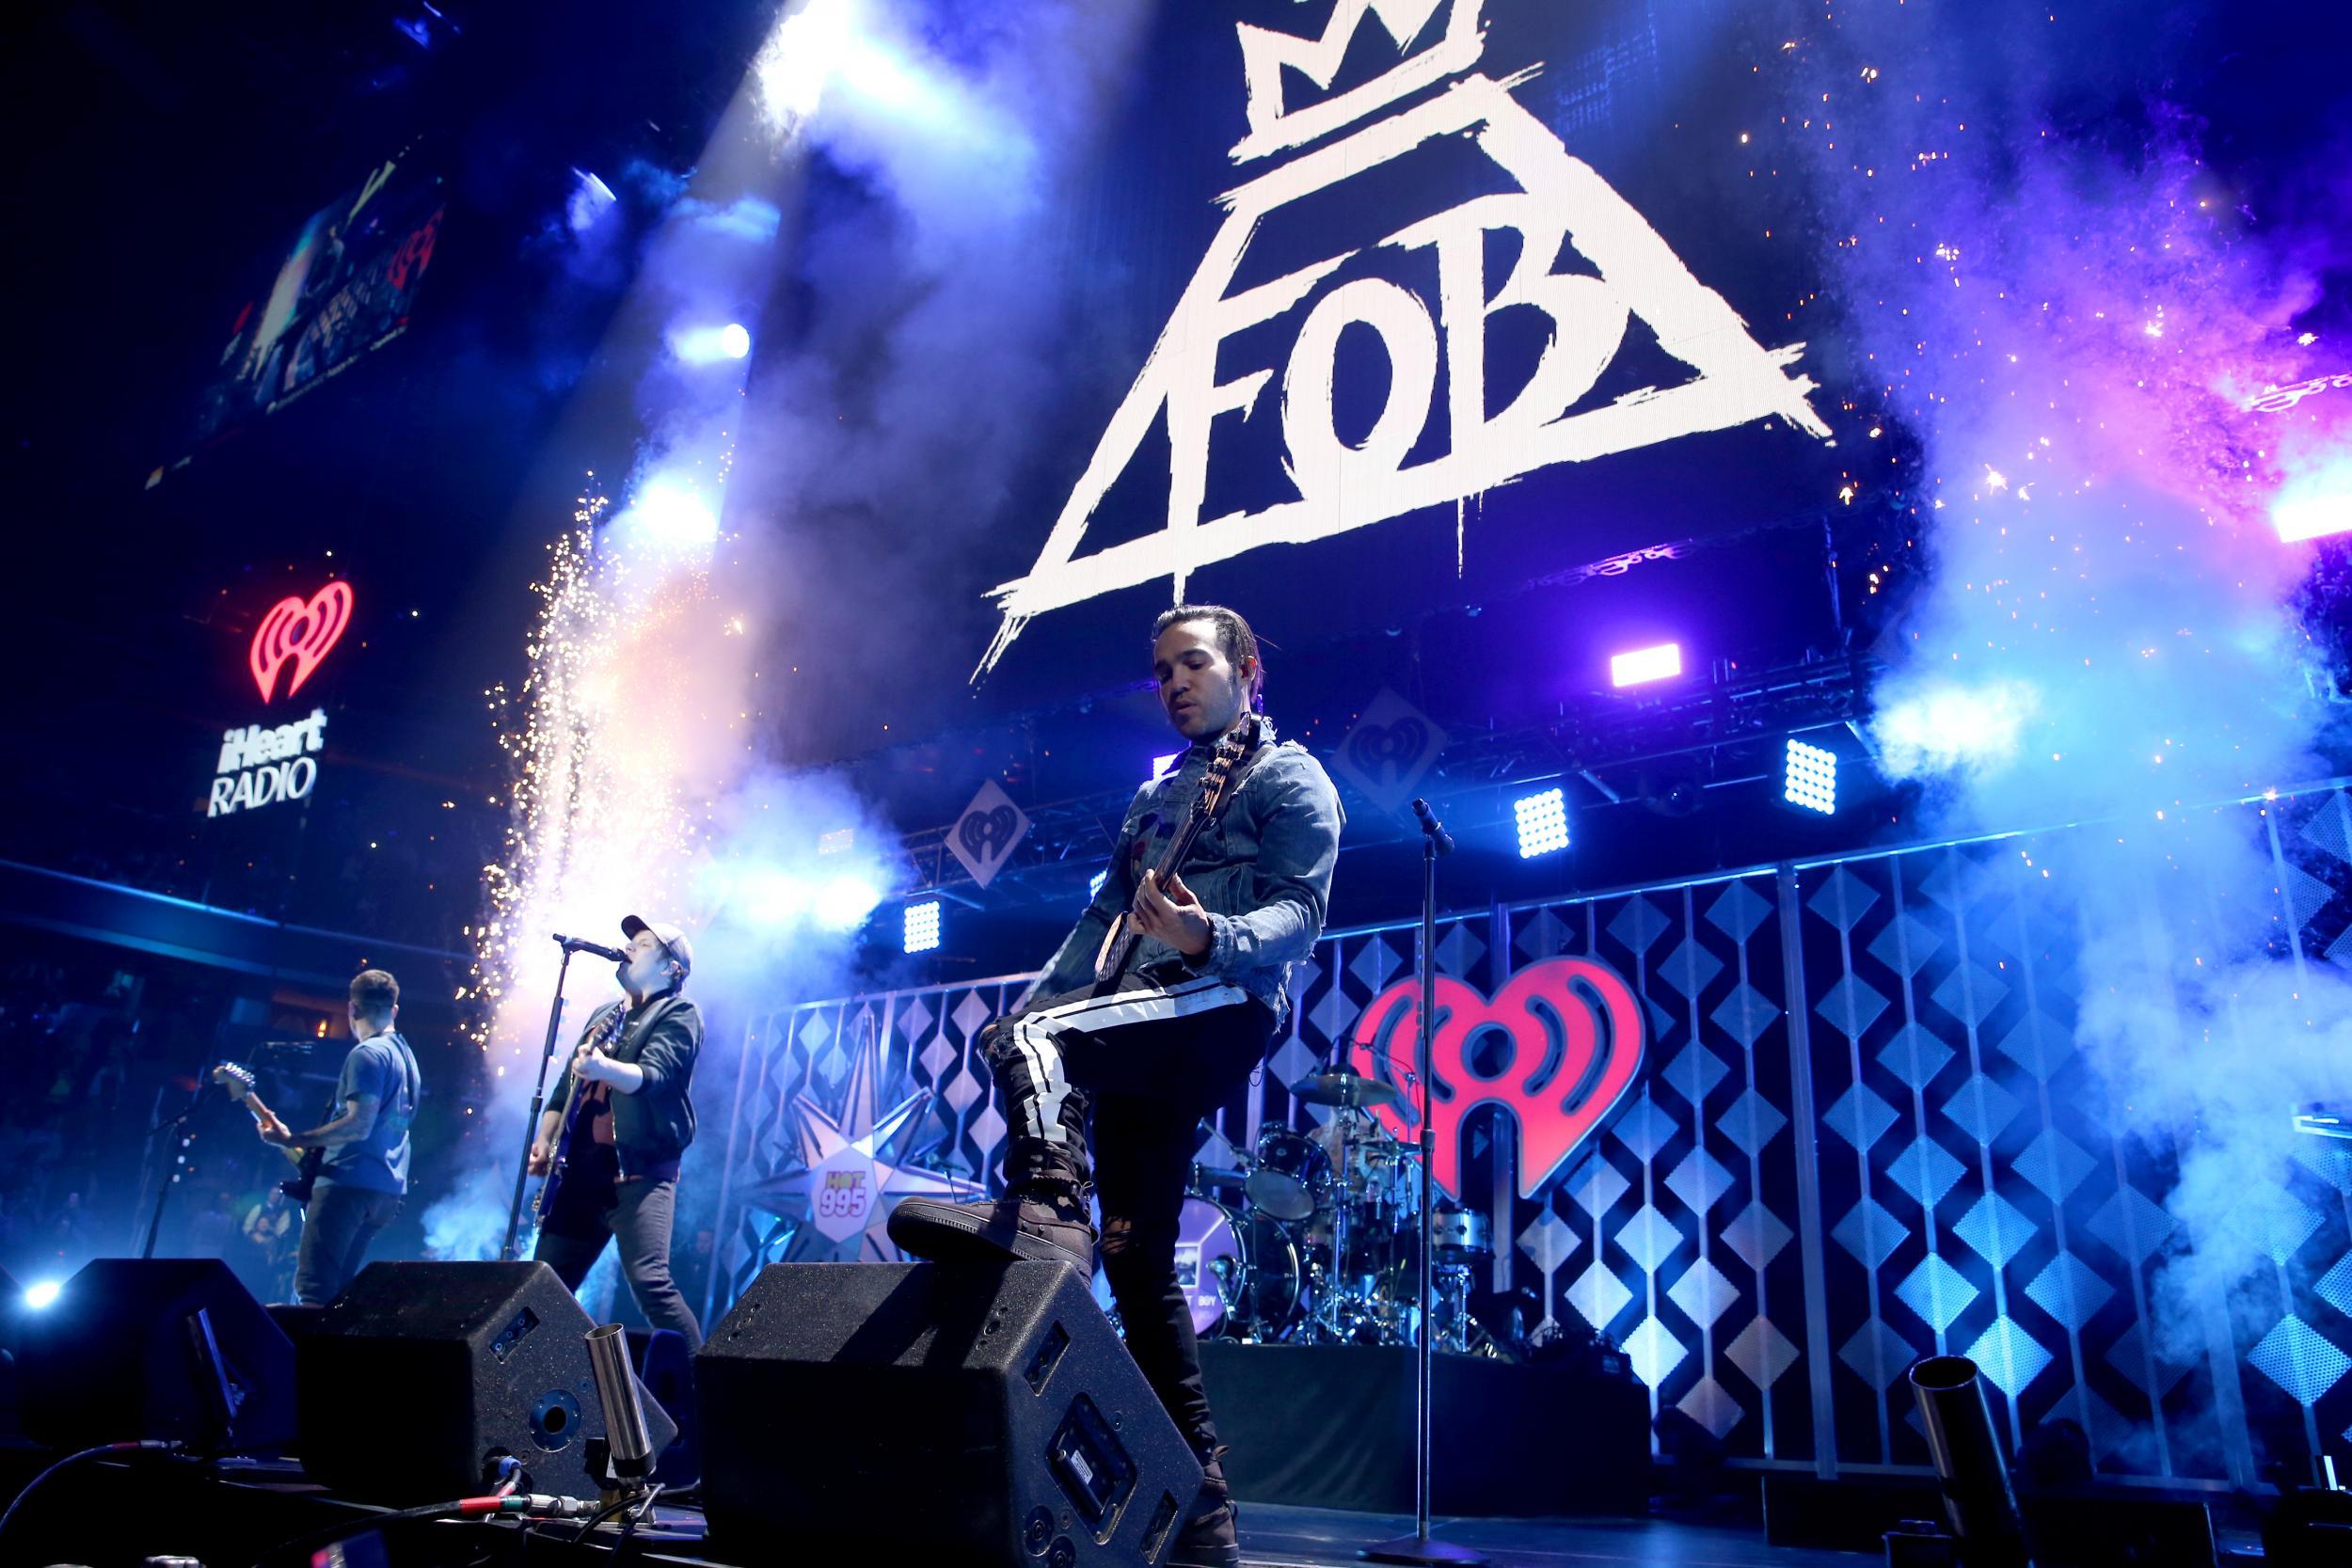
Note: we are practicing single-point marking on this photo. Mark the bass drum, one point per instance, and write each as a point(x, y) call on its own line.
point(1272, 1300)
point(1240, 1277)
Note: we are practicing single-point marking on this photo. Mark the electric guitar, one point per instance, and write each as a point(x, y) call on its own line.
point(308, 1163)
point(1239, 745)
point(578, 1099)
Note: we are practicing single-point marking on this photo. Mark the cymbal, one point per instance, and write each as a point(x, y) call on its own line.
point(1348, 1091)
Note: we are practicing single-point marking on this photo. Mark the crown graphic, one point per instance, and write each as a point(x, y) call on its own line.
point(1266, 53)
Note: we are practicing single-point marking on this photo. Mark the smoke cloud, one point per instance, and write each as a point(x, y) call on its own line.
point(2051, 286)
point(868, 218)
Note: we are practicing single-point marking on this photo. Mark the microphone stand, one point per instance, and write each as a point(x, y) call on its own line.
point(538, 1106)
point(1418, 1547)
point(169, 1176)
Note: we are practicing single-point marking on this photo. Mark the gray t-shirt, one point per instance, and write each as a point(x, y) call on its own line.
point(382, 1066)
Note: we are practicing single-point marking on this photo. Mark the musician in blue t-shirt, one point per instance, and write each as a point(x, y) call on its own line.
point(365, 1173)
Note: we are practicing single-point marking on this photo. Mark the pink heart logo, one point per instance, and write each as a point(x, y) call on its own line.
point(1576, 1043)
point(299, 631)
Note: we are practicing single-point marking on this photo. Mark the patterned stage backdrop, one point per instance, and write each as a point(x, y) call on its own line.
point(1792, 1200)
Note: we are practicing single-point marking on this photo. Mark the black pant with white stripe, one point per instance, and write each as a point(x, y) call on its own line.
point(1142, 1063)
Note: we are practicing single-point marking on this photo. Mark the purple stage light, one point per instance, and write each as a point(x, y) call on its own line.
point(1645, 664)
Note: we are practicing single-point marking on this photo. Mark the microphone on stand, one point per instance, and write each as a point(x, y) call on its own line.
point(1436, 830)
point(582, 945)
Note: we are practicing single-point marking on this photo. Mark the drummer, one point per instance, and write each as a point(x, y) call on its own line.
point(1330, 1136)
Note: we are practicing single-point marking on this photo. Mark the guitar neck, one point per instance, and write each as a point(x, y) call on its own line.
point(263, 1116)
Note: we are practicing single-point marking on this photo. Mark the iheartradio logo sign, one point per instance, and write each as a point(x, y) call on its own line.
point(260, 764)
point(300, 633)
point(1558, 1047)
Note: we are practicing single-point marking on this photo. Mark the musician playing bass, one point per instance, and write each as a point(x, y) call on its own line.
point(618, 1177)
point(1167, 1035)
point(365, 1170)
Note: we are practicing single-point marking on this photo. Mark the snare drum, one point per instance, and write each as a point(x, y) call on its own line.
point(1292, 1175)
point(1458, 1234)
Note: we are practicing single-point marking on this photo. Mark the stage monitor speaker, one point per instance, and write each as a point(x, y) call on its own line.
point(422, 1377)
point(143, 1348)
point(972, 1414)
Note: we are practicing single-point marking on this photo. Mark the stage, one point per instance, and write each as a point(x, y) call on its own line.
point(120, 1514)
point(111, 1513)
point(1649, 694)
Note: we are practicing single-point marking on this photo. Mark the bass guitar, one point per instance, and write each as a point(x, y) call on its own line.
point(582, 1102)
point(308, 1163)
point(1240, 743)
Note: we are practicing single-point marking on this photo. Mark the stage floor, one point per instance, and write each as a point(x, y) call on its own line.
point(1273, 1536)
point(1278, 1536)
point(113, 1514)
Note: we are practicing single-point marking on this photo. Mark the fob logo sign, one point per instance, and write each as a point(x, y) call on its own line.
point(1622, 272)
point(260, 765)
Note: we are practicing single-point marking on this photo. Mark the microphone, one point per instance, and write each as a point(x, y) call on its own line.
point(1436, 830)
point(582, 945)
point(628, 1440)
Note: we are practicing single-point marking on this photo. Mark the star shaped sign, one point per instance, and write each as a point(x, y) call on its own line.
point(833, 1202)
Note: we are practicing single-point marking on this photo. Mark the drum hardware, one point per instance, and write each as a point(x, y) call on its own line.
point(1310, 1237)
point(1212, 1179)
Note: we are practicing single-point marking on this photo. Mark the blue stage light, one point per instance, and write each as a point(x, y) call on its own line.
point(1163, 767)
point(1543, 821)
point(709, 346)
point(1094, 885)
point(1811, 778)
point(922, 925)
point(42, 1295)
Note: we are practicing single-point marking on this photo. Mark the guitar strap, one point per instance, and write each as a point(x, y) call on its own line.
point(635, 1034)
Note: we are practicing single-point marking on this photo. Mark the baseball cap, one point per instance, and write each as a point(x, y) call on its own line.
point(669, 936)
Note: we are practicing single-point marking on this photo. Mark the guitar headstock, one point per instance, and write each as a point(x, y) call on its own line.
point(237, 1080)
point(1236, 745)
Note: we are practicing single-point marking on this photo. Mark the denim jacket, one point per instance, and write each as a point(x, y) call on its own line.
point(1262, 871)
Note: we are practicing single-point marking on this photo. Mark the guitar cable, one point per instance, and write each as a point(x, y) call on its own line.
point(148, 1445)
point(534, 1504)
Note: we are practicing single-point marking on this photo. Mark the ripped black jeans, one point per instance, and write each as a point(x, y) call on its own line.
point(1137, 1067)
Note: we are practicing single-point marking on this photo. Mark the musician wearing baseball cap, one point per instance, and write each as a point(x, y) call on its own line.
point(623, 1097)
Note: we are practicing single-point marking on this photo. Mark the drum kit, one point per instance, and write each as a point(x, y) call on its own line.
point(1314, 1238)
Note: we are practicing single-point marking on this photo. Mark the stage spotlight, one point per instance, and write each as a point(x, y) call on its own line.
point(1645, 664)
point(922, 926)
point(1162, 767)
point(674, 514)
point(842, 903)
point(1543, 821)
point(707, 345)
point(1810, 779)
point(1094, 884)
point(773, 898)
point(2311, 518)
point(44, 1294)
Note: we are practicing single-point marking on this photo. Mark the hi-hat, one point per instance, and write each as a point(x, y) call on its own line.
point(1347, 1091)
